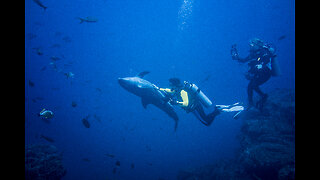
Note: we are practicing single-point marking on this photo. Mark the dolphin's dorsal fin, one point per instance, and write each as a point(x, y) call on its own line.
point(142, 74)
point(144, 102)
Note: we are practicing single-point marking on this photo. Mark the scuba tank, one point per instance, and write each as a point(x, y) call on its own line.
point(198, 94)
point(274, 64)
point(275, 68)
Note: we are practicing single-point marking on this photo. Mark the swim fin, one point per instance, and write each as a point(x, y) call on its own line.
point(237, 114)
point(231, 108)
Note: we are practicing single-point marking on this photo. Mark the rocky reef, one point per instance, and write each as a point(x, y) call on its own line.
point(43, 162)
point(267, 144)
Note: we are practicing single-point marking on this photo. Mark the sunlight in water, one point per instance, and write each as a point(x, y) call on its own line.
point(184, 14)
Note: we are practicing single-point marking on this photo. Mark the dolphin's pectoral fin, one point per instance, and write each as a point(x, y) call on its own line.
point(142, 74)
point(144, 102)
point(175, 125)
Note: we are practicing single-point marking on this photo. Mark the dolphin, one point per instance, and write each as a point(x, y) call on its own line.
point(149, 93)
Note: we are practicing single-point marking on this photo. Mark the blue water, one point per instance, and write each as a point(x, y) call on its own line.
point(189, 39)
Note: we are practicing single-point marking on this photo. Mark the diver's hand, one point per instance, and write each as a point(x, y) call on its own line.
point(156, 87)
point(259, 66)
point(173, 102)
point(234, 52)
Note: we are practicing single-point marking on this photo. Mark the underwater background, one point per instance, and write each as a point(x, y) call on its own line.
point(72, 68)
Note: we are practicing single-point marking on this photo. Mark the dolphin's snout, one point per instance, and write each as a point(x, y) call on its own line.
point(120, 80)
point(123, 82)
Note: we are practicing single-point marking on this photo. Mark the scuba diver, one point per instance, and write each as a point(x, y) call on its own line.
point(189, 97)
point(262, 65)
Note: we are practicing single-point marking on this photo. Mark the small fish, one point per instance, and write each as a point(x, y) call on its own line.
point(110, 155)
point(31, 84)
point(47, 114)
point(49, 139)
point(99, 90)
point(88, 19)
point(118, 163)
point(207, 78)
point(74, 104)
point(132, 166)
point(54, 58)
point(37, 98)
point(282, 37)
point(114, 170)
point(69, 75)
point(40, 4)
point(55, 46)
point(86, 159)
point(38, 51)
point(43, 68)
point(150, 164)
point(85, 122)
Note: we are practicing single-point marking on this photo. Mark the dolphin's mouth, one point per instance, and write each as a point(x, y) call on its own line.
point(122, 82)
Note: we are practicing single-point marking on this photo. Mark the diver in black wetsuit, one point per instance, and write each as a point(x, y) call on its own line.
point(260, 59)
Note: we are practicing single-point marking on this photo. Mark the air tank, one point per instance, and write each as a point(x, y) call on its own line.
point(199, 94)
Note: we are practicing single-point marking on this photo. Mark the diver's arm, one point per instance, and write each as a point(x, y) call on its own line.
point(166, 90)
point(235, 55)
point(185, 100)
point(246, 59)
point(242, 60)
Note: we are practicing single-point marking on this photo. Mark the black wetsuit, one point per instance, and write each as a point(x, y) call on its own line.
point(259, 71)
point(204, 118)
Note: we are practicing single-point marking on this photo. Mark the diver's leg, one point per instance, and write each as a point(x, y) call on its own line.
point(196, 113)
point(201, 115)
point(264, 77)
point(258, 90)
point(213, 115)
point(250, 92)
point(210, 117)
point(262, 100)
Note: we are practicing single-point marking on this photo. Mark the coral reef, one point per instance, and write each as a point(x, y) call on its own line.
point(267, 144)
point(43, 162)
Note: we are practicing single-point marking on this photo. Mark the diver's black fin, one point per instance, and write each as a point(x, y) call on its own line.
point(142, 74)
point(144, 102)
